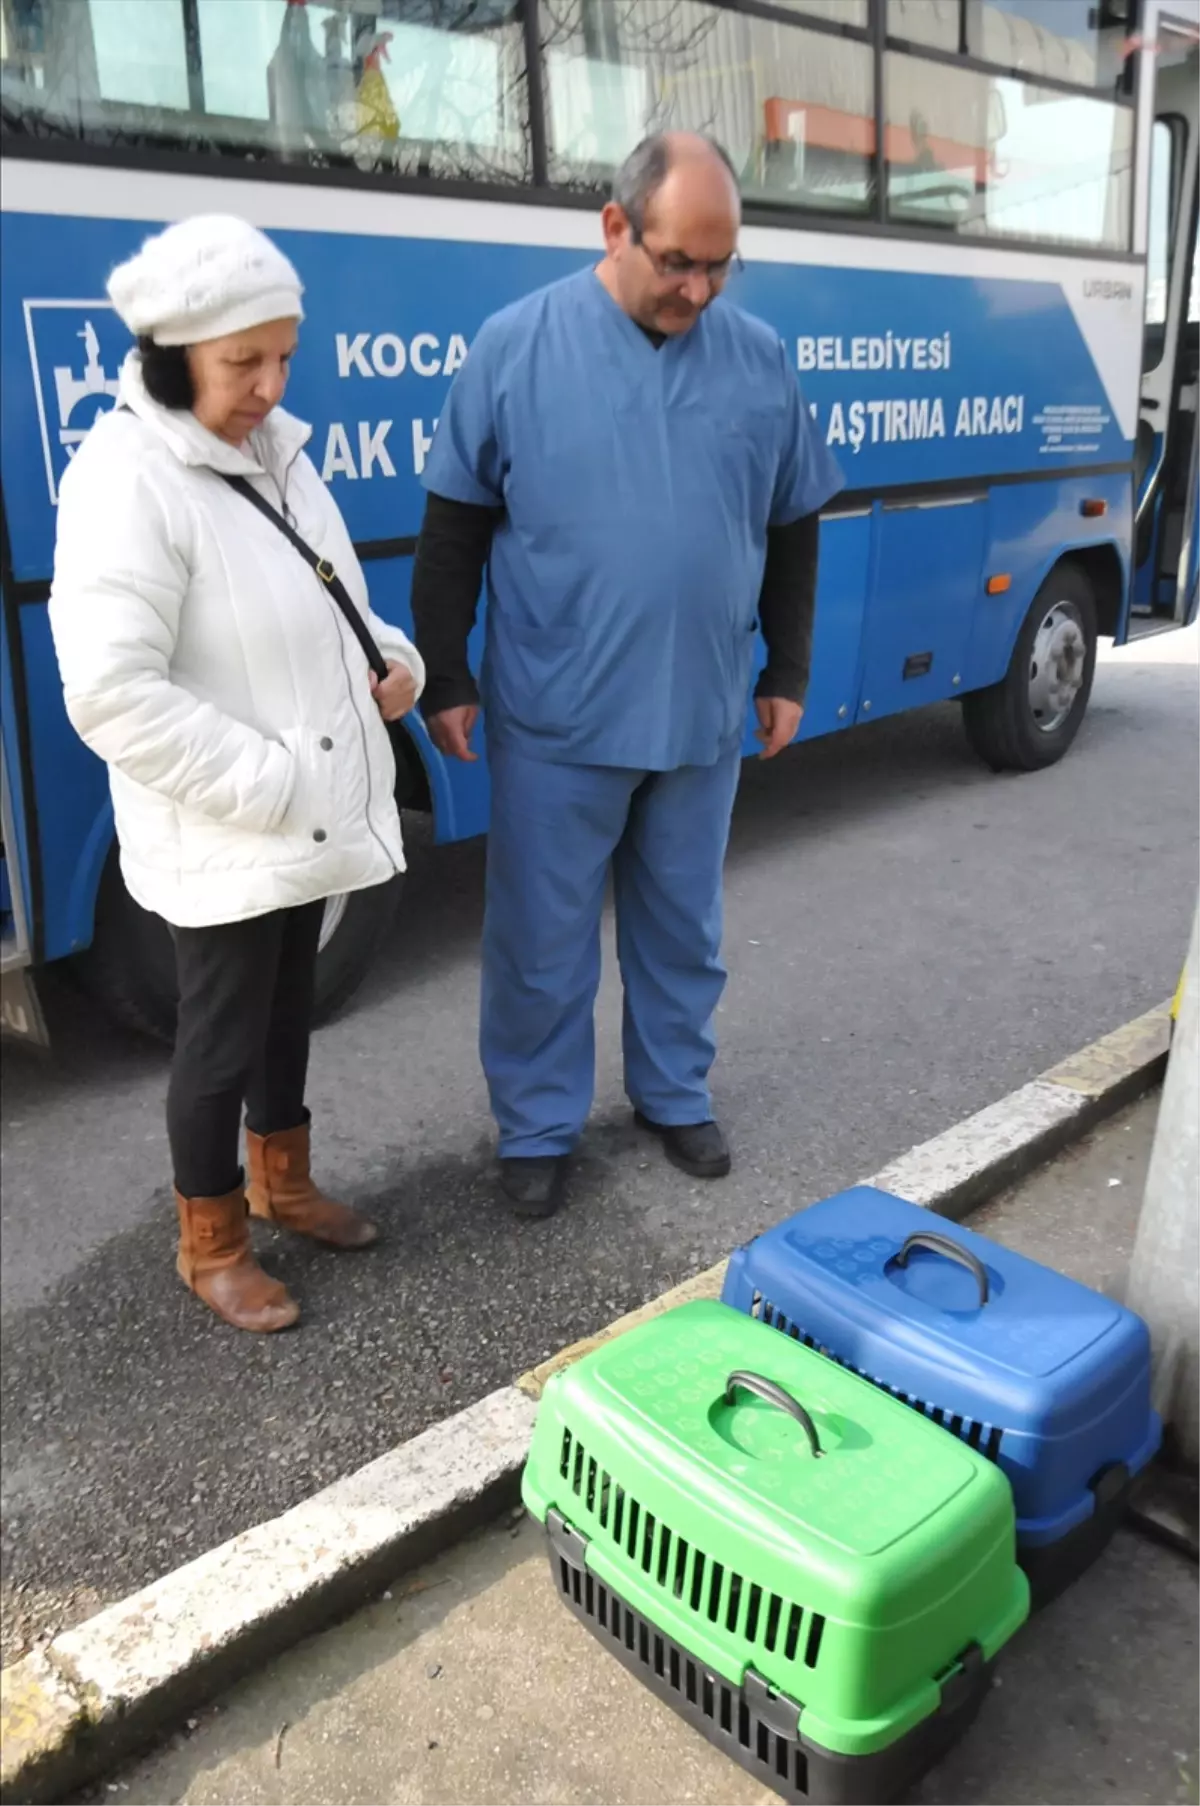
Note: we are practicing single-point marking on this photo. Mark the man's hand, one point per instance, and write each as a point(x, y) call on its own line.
point(451, 732)
point(397, 693)
point(778, 723)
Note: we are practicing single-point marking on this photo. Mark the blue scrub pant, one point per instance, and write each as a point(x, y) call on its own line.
point(554, 831)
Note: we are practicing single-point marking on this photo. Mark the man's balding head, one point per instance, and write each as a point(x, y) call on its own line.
point(674, 215)
point(692, 158)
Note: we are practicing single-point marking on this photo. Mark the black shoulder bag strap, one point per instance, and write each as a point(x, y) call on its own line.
point(323, 569)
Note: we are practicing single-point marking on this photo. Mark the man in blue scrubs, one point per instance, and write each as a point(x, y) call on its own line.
point(629, 455)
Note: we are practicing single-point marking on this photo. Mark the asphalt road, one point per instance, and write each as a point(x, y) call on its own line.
point(468, 1681)
point(908, 937)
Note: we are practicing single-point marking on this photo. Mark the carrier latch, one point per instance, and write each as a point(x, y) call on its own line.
point(568, 1542)
point(963, 1682)
point(780, 1714)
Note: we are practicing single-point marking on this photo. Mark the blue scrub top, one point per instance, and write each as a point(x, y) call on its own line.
point(638, 485)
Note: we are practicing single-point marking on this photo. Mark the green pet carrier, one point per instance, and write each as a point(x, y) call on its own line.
point(811, 1574)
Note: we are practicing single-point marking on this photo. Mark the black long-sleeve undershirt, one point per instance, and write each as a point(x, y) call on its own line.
point(452, 554)
point(786, 604)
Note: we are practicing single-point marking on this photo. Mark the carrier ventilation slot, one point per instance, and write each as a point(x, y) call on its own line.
point(709, 1589)
point(700, 1696)
point(984, 1437)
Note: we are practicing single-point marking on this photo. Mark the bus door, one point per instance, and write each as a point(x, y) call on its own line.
point(1165, 563)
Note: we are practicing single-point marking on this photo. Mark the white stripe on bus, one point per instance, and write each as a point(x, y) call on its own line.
point(80, 191)
point(1110, 327)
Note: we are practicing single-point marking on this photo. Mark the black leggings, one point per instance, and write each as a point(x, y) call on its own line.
point(245, 1006)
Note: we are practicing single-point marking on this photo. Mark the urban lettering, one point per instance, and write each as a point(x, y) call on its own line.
point(339, 459)
point(982, 416)
point(421, 443)
point(387, 354)
point(373, 454)
point(887, 351)
point(886, 422)
point(372, 449)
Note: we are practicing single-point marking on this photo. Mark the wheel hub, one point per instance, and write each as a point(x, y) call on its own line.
point(1056, 666)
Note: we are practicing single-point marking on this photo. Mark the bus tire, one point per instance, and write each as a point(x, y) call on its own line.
point(1029, 719)
point(129, 969)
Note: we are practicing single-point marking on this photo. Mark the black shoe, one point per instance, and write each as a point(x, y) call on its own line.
point(697, 1148)
point(534, 1187)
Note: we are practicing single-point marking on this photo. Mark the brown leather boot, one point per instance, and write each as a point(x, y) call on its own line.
point(282, 1191)
point(216, 1262)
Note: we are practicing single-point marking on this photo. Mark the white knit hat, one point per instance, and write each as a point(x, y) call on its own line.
point(202, 279)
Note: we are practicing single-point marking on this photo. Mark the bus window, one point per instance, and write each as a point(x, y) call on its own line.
point(140, 53)
point(355, 82)
point(855, 13)
point(996, 157)
point(1074, 41)
point(1164, 161)
point(794, 107)
point(936, 23)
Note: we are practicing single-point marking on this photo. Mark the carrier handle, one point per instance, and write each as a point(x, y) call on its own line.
point(942, 1244)
point(773, 1394)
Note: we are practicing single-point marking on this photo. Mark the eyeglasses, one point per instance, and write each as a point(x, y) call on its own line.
point(672, 266)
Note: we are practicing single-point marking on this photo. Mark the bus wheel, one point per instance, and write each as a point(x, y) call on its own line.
point(130, 967)
point(1029, 719)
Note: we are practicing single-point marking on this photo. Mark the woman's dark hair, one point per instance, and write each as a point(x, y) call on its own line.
point(165, 374)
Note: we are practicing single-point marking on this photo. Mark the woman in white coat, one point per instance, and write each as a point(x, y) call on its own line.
point(213, 669)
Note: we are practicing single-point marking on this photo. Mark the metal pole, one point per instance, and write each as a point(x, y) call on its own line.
point(1166, 1256)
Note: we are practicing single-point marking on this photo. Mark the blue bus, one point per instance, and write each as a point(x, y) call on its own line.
point(972, 223)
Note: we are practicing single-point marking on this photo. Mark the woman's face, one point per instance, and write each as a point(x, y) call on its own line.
point(239, 379)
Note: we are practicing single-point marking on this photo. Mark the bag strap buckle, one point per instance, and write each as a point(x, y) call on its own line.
point(325, 570)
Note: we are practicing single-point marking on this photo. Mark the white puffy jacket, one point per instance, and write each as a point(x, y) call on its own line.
point(214, 673)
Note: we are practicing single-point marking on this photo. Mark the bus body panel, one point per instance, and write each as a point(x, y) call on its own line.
point(927, 566)
point(962, 388)
point(17, 929)
point(987, 364)
point(1031, 528)
point(74, 810)
point(843, 579)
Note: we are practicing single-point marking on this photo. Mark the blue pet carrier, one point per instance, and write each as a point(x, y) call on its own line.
point(1042, 1375)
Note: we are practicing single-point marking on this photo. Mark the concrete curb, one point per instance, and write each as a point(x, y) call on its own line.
point(71, 1710)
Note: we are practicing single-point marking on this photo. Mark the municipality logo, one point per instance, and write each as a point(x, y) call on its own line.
point(76, 349)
